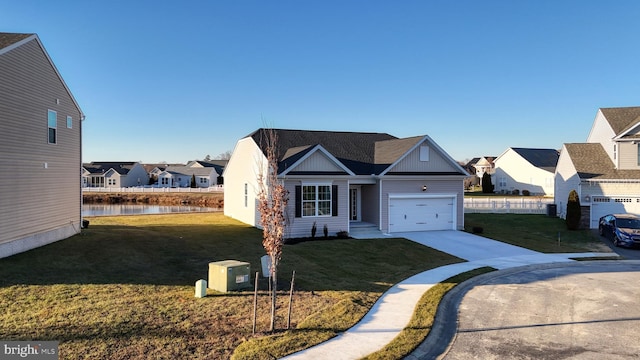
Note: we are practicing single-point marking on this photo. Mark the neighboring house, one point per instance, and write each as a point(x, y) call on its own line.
point(219, 165)
point(114, 174)
point(153, 170)
point(40, 148)
point(484, 165)
point(336, 178)
point(605, 171)
point(525, 169)
point(180, 176)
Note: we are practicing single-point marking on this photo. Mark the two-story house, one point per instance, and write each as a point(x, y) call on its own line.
point(40, 148)
point(605, 171)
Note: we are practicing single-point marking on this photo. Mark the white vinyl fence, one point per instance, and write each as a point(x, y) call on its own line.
point(149, 189)
point(512, 205)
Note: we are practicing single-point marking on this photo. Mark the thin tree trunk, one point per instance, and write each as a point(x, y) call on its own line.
point(274, 289)
point(293, 277)
point(255, 304)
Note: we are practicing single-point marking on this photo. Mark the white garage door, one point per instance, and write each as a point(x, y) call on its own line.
point(421, 214)
point(603, 205)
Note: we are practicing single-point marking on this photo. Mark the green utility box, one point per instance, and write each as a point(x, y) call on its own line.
point(229, 275)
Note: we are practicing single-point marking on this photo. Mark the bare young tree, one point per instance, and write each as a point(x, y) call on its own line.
point(272, 202)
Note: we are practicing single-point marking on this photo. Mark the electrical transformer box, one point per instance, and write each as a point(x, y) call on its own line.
point(229, 275)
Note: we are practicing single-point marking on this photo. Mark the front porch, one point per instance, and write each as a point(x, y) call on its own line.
point(365, 230)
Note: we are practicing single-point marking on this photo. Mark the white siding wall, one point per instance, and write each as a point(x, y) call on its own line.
point(434, 186)
point(243, 168)
point(40, 195)
point(602, 133)
point(318, 161)
point(566, 179)
point(521, 175)
point(137, 176)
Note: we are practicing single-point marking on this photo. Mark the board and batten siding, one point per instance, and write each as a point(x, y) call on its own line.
point(434, 187)
point(301, 226)
point(435, 163)
point(40, 196)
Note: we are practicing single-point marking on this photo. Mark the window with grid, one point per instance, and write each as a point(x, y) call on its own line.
point(316, 200)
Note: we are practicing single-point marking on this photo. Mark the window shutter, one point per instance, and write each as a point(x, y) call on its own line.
point(298, 201)
point(334, 200)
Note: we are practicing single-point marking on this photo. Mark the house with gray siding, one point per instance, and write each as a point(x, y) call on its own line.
point(344, 179)
point(40, 148)
point(112, 174)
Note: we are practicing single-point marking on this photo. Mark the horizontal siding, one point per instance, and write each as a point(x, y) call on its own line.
point(317, 162)
point(301, 227)
point(628, 153)
point(35, 197)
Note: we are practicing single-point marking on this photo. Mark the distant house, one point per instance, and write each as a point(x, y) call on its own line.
point(181, 176)
point(40, 148)
point(219, 165)
point(114, 174)
point(605, 171)
point(527, 169)
point(336, 179)
point(153, 170)
point(478, 167)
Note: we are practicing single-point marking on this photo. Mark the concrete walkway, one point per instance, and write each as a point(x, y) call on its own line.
point(393, 311)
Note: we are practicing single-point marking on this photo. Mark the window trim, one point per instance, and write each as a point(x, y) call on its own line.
point(52, 124)
point(69, 122)
point(317, 201)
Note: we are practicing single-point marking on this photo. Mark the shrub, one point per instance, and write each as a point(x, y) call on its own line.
point(487, 186)
point(325, 230)
point(342, 234)
point(314, 228)
point(574, 211)
point(516, 192)
point(526, 192)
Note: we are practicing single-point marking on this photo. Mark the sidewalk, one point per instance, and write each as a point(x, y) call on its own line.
point(393, 311)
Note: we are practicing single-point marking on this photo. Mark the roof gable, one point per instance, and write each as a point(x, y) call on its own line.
point(316, 160)
point(101, 167)
point(621, 118)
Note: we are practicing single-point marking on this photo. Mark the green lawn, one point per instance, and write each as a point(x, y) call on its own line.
point(535, 232)
point(124, 288)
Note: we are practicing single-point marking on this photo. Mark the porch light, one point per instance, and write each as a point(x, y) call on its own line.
point(587, 198)
point(424, 187)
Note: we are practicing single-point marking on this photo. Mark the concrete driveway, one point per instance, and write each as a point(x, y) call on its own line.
point(577, 310)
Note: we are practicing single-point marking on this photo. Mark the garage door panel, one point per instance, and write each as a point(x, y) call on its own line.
point(420, 214)
point(603, 205)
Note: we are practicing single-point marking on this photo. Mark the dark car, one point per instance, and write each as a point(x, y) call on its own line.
point(622, 229)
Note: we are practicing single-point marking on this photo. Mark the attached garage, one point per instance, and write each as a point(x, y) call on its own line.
point(421, 212)
point(603, 205)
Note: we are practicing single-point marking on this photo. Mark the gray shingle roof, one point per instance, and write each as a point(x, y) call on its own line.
point(100, 167)
point(592, 162)
point(546, 159)
point(621, 118)
point(354, 149)
point(7, 39)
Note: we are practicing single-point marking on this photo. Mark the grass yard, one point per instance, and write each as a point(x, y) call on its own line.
point(535, 232)
point(124, 289)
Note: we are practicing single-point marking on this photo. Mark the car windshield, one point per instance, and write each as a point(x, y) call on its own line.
point(629, 223)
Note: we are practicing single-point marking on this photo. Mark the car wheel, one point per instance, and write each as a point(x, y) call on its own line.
point(616, 242)
point(600, 230)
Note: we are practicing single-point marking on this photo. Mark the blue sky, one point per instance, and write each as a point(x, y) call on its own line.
point(178, 80)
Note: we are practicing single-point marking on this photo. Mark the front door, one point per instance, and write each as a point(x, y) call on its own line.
point(354, 202)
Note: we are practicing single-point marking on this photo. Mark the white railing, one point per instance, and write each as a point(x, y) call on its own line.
point(513, 205)
point(150, 189)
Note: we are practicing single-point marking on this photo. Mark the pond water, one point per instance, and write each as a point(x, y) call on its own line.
point(127, 209)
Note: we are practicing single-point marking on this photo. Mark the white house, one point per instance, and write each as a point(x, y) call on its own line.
point(181, 176)
point(526, 169)
point(605, 171)
point(336, 179)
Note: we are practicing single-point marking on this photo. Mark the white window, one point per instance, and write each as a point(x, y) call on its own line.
point(424, 153)
point(246, 194)
point(52, 121)
point(69, 122)
point(502, 182)
point(316, 200)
